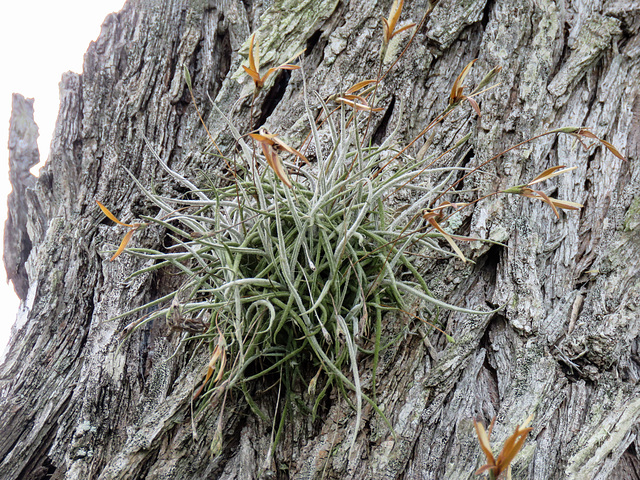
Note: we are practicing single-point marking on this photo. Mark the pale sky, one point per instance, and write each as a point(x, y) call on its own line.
point(40, 40)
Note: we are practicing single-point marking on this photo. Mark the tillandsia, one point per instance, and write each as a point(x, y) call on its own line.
point(292, 264)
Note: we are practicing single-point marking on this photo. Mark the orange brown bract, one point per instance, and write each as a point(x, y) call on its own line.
point(389, 25)
point(270, 143)
point(127, 238)
point(554, 203)
point(513, 445)
point(254, 64)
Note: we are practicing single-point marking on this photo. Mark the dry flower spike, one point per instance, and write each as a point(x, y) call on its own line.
point(125, 240)
point(579, 132)
point(254, 64)
point(389, 25)
point(218, 361)
point(513, 445)
point(554, 203)
point(457, 89)
point(270, 144)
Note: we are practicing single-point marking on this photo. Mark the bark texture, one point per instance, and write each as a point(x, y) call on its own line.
point(23, 154)
point(77, 403)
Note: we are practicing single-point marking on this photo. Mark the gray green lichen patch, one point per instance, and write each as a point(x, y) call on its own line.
point(594, 38)
point(450, 18)
point(632, 217)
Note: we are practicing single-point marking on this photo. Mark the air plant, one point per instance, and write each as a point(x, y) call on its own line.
point(294, 282)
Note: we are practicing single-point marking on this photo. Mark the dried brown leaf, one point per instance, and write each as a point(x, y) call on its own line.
point(474, 105)
point(613, 149)
point(447, 237)
point(402, 29)
point(360, 85)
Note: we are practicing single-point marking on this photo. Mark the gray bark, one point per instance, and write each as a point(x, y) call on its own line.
point(78, 403)
point(23, 154)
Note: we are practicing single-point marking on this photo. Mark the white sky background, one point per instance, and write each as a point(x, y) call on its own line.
point(39, 41)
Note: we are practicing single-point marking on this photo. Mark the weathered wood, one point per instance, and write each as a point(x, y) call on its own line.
point(77, 403)
point(23, 154)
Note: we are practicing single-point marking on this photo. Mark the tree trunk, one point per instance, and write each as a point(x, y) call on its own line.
point(80, 402)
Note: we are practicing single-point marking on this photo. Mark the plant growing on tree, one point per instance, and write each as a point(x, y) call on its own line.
point(292, 266)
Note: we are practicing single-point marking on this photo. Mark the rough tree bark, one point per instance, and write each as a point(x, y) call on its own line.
point(77, 403)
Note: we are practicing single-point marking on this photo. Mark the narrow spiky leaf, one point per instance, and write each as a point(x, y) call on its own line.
point(386, 32)
point(358, 106)
point(545, 198)
point(487, 78)
point(447, 237)
point(394, 14)
point(254, 54)
point(274, 69)
point(254, 76)
point(187, 75)
point(613, 149)
point(275, 163)
point(402, 29)
point(566, 205)
point(475, 106)
point(483, 439)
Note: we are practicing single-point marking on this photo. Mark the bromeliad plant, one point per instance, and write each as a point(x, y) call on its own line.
point(294, 271)
point(291, 267)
